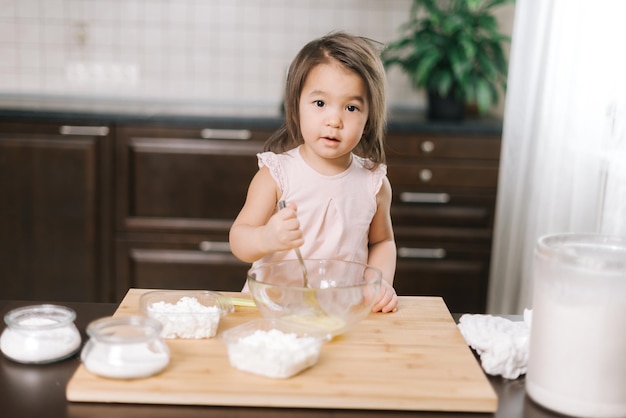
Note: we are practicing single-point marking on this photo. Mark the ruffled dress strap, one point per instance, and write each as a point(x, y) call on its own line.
point(377, 174)
point(272, 162)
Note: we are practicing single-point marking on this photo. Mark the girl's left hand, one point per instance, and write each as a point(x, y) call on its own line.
point(387, 299)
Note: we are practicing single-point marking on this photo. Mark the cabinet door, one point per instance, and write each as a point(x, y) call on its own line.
point(190, 261)
point(177, 196)
point(55, 212)
point(168, 180)
point(444, 261)
point(443, 207)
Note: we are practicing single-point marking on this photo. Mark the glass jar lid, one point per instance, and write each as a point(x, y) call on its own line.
point(39, 317)
point(124, 330)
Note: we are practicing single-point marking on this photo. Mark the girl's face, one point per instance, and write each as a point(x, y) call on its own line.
point(333, 114)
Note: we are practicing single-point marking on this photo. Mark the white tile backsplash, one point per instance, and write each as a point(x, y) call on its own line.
point(234, 52)
point(24, 9)
point(52, 9)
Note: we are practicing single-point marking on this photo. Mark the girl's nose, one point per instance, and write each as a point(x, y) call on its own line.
point(333, 119)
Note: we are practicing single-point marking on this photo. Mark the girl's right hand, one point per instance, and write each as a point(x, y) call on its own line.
point(282, 231)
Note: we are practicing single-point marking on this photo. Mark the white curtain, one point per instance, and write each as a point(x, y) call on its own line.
point(563, 159)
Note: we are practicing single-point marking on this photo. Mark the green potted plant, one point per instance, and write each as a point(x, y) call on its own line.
point(453, 49)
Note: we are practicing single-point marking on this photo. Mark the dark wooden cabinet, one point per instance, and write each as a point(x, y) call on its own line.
point(444, 193)
point(178, 190)
point(90, 209)
point(55, 211)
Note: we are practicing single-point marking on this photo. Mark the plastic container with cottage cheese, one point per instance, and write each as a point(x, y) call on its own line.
point(128, 347)
point(40, 334)
point(188, 314)
point(273, 348)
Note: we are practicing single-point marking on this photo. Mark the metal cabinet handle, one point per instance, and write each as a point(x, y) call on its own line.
point(410, 197)
point(427, 146)
point(425, 175)
point(214, 246)
point(430, 253)
point(238, 134)
point(84, 130)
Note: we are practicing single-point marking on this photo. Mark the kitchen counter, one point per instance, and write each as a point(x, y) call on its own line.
point(39, 390)
point(111, 110)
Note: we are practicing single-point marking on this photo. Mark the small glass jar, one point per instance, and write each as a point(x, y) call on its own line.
point(40, 334)
point(128, 347)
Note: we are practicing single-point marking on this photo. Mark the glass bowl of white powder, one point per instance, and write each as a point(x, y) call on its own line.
point(187, 314)
point(40, 334)
point(339, 294)
point(125, 347)
point(272, 347)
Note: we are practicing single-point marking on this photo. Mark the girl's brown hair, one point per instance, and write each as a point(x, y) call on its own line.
point(355, 53)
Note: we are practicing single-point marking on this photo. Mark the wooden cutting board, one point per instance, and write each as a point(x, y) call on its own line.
point(414, 359)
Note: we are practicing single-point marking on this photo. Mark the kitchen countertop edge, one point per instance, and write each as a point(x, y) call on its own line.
point(399, 122)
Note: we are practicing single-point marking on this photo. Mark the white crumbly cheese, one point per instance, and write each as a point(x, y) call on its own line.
point(187, 318)
point(274, 353)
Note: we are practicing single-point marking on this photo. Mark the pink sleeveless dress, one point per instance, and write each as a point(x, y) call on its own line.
point(335, 212)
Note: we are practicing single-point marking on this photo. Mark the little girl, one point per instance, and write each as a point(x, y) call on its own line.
point(328, 162)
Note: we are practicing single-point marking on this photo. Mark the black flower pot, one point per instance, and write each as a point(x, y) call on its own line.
point(445, 108)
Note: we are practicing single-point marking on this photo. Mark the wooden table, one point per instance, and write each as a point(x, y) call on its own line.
point(39, 390)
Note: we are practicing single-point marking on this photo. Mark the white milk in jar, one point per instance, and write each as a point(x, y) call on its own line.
point(128, 347)
point(577, 357)
point(40, 334)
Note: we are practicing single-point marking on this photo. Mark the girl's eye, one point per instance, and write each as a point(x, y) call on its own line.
point(352, 108)
point(319, 103)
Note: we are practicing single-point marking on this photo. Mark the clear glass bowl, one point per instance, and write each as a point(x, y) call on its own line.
point(189, 314)
point(128, 347)
point(272, 348)
point(339, 293)
point(40, 334)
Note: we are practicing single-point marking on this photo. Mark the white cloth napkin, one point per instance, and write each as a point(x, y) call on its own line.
point(502, 344)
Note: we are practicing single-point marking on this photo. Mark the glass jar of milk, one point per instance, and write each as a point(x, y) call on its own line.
point(577, 355)
point(128, 347)
point(40, 334)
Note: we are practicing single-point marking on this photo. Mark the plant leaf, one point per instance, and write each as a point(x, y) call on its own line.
point(425, 65)
point(494, 3)
point(483, 96)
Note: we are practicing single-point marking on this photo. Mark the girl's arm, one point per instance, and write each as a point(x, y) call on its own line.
point(382, 249)
point(258, 229)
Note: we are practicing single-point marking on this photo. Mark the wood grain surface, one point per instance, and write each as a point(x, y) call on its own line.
point(414, 359)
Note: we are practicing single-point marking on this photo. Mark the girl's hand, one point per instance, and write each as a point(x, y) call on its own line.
point(282, 231)
point(387, 299)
